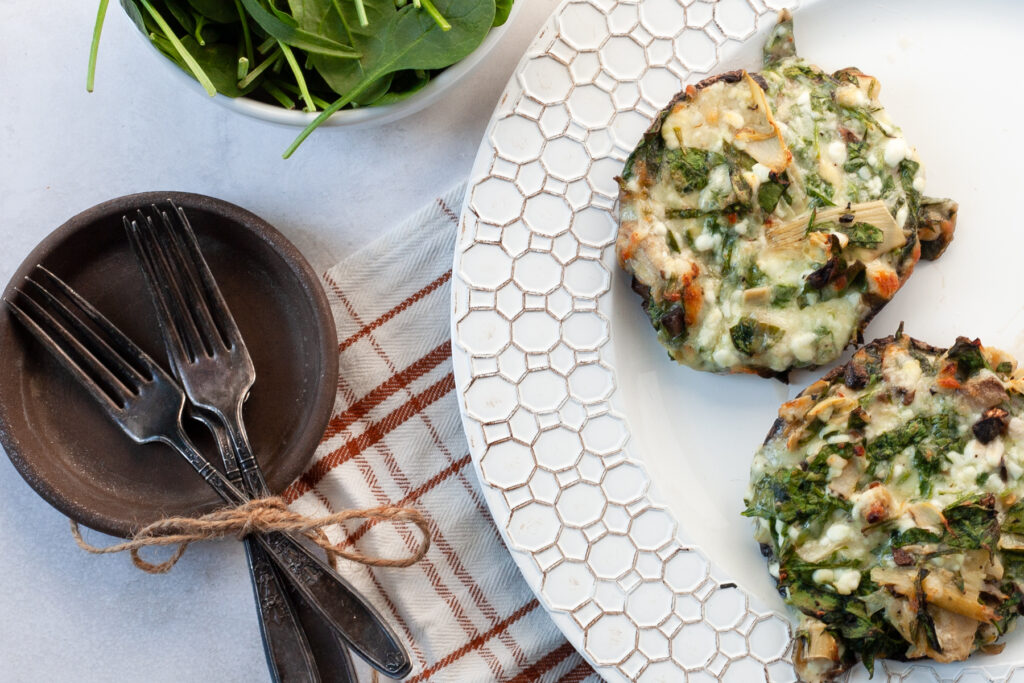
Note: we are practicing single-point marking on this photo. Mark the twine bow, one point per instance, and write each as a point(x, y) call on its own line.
point(259, 516)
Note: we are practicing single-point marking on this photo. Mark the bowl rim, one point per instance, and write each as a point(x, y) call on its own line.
point(348, 117)
point(320, 407)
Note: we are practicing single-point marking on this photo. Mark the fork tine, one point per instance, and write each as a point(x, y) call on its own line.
point(171, 311)
point(188, 279)
point(148, 269)
point(59, 314)
point(127, 378)
point(218, 308)
point(112, 403)
point(129, 357)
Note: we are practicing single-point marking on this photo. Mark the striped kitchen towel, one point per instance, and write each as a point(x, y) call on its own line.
point(464, 612)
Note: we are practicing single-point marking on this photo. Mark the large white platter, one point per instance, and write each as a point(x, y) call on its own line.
point(616, 476)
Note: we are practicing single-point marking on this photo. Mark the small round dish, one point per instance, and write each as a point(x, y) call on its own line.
point(75, 457)
point(373, 115)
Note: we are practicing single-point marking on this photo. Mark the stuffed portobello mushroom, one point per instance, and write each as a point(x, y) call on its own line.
point(889, 500)
point(766, 217)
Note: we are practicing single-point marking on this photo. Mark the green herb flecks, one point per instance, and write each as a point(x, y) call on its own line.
point(914, 536)
point(793, 497)
point(647, 154)
point(855, 159)
point(907, 171)
point(819, 191)
point(1013, 520)
point(668, 318)
point(670, 239)
point(780, 44)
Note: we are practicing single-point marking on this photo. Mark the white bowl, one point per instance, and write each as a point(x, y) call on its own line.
point(352, 117)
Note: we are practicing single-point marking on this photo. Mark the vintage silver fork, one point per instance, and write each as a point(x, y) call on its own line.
point(329, 661)
point(206, 350)
point(116, 375)
point(139, 396)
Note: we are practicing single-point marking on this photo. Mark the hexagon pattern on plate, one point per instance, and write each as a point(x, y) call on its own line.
point(536, 248)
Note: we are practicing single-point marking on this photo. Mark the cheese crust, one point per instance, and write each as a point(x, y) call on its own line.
point(741, 158)
point(889, 499)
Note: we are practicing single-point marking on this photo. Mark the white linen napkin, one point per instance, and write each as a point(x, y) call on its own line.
point(396, 438)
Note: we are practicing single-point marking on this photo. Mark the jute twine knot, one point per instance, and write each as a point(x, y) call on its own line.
point(259, 516)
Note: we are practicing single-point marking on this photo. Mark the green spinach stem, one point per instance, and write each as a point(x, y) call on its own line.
point(361, 13)
point(255, 73)
point(94, 48)
point(200, 24)
point(326, 114)
point(432, 11)
point(299, 79)
point(185, 55)
point(246, 36)
point(280, 95)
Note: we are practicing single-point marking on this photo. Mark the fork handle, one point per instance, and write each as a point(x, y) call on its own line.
point(391, 659)
point(224, 488)
point(323, 589)
point(339, 604)
point(327, 651)
point(289, 657)
point(287, 649)
point(234, 426)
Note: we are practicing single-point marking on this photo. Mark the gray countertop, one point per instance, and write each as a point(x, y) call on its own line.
point(67, 615)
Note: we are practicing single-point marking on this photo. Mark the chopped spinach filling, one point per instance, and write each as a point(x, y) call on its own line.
point(932, 438)
point(689, 168)
point(819, 191)
point(769, 194)
point(968, 357)
point(929, 555)
point(751, 336)
point(863, 235)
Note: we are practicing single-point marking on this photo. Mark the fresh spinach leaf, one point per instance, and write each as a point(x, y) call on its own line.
point(502, 9)
point(285, 28)
point(323, 56)
point(215, 10)
point(403, 39)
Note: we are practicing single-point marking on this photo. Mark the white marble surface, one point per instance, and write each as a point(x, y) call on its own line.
point(65, 615)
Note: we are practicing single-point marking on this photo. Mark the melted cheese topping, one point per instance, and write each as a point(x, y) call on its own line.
point(907, 464)
point(735, 159)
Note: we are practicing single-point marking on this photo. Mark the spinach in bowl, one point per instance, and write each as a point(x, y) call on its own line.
point(315, 55)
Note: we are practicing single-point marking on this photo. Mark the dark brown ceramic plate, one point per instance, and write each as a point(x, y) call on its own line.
point(66, 447)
